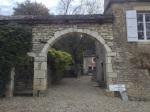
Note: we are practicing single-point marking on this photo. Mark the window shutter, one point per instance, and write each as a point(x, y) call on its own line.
point(132, 30)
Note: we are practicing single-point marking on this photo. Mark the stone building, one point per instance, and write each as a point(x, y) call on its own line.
point(89, 62)
point(131, 32)
point(122, 35)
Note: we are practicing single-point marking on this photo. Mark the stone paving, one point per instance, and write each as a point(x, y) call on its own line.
point(72, 95)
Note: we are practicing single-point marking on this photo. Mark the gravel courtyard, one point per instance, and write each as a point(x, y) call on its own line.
point(72, 95)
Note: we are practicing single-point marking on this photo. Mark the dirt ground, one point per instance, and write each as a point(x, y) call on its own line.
point(72, 95)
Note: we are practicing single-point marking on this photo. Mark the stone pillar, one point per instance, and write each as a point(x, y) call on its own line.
point(111, 76)
point(40, 75)
point(10, 85)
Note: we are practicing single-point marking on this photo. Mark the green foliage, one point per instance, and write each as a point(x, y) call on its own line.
point(76, 44)
point(31, 8)
point(15, 42)
point(58, 61)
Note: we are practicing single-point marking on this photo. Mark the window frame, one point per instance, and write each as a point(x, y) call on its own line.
point(144, 26)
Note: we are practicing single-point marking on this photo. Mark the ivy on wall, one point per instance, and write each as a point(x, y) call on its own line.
point(15, 42)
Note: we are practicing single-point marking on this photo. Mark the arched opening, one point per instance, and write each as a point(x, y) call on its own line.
point(104, 64)
point(82, 49)
point(59, 35)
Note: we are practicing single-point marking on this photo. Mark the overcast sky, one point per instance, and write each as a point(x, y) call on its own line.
point(6, 6)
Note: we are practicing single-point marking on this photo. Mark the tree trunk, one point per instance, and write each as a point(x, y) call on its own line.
point(10, 85)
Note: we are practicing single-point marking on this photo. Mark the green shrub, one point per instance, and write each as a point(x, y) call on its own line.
point(15, 42)
point(58, 62)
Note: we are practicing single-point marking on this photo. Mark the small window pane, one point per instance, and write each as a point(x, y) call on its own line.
point(148, 35)
point(147, 17)
point(141, 35)
point(148, 27)
point(90, 68)
point(140, 27)
point(140, 17)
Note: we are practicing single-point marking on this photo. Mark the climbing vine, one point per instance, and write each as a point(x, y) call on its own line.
point(15, 42)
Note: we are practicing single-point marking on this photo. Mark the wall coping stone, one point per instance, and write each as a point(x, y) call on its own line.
point(57, 19)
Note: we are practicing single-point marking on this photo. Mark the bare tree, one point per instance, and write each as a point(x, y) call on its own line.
point(71, 7)
point(68, 7)
point(91, 7)
point(65, 6)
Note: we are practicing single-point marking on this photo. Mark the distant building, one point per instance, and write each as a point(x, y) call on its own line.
point(89, 62)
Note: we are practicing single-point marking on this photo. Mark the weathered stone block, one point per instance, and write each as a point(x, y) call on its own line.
point(109, 67)
point(40, 59)
point(111, 74)
point(40, 84)
point(44, 66)
point(37, 65)
point(40, 74)
point(108, 60)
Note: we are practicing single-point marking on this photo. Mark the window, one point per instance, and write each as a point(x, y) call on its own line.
point(90, 67)
point(138, 26)
point(143, 25)
point(94, 68)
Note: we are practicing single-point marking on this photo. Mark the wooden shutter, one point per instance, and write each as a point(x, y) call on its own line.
point(132, 30)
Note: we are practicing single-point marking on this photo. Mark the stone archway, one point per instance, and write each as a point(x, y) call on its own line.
point(40, 62)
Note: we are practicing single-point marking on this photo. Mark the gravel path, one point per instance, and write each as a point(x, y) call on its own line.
point(73, 95)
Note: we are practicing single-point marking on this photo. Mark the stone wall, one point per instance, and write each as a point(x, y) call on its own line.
point(42, 33)
point(113, 39)
point(44, 36)
point(100, 64)
point(137, 80)
point(88, 62)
